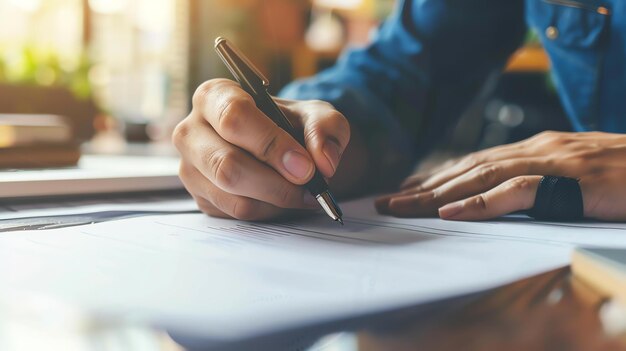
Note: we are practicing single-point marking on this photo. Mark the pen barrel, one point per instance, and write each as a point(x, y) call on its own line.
point(317, 184)
point(268, 106)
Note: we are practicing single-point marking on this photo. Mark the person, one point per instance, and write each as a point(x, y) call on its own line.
point(369, 118)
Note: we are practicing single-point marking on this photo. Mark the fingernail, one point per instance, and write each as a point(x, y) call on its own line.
point(297, 164)
point(451, 210)
point(310, 200)
point(382, 205)
point(331, 151)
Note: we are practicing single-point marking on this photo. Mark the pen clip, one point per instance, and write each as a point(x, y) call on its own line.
point(242, 69)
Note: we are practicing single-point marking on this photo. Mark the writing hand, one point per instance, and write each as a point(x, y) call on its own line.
point(237, 163)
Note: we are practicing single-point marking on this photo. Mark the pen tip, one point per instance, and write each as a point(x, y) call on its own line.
point(340, 221)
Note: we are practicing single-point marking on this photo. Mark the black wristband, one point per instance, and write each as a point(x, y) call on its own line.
point(558, 199)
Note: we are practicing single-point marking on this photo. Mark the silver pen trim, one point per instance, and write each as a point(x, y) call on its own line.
point(329, 205)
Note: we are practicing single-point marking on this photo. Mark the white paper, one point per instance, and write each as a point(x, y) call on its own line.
point(164, 203)
point(231, 279)
point(95, 174)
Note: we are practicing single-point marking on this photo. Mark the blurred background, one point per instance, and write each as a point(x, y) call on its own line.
point(121, 72)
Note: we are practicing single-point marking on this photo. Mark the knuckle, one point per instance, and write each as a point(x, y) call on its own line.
point(320, 104)
point(230, 114)
point(489, 174)
point(268, 144)
point(284, 196)
point(180, 133)
point(519, 184)
point(549, 162)
point(472, 160)
point(479, 202)
point(183, 171)
point(199, 97)
point(201, 93)
point(324, 107)
point(547, 134)
point(244, 209)
point(225, 168)
point(550, 136)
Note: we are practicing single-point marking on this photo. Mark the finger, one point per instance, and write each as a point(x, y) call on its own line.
point(419, 177)
point(207, 207)
point(415, 205)
point(223, 204)
point(234, 171)
point(469, 162)
point(415, 180)
point(326, 134)
point(513, 195)
point(382, 204)
point(186, 175)
point(478, 180)
point(234, 115)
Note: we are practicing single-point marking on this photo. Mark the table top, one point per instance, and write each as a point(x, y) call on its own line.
point(552, 311)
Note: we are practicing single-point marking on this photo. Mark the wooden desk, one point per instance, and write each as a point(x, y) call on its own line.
point(553, 311)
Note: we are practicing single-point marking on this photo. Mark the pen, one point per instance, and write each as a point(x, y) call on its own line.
point(255, 84)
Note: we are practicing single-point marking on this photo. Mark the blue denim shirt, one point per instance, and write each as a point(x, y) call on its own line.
point(431, 58)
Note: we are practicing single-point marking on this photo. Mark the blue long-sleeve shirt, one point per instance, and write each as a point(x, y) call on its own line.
point(431, 57)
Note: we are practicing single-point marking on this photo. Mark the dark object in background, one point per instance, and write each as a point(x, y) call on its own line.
point(39, 156)
point(37, 141)
point(513, 106)
point(136, 130)
point(522, 105)
point(25, 130)
point(30, 99)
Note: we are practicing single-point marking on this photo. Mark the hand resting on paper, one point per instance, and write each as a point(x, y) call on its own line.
point(504, 179)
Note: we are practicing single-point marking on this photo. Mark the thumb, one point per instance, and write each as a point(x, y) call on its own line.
point(326, 134)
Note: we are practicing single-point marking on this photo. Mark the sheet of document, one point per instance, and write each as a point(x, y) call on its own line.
point(94, 174)
point(54, 214)
point(230, 279)
point(148, 203)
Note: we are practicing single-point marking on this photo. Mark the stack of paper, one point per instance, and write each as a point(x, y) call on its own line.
point(230, 279)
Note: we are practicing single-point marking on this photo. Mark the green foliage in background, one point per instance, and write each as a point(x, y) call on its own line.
point(533, 39)
point(31, 67)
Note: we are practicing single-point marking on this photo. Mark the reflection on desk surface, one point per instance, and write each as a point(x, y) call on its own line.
point(552, 311)
point(547, 312)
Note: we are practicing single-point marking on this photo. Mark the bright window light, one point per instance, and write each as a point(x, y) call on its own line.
point(106, 6)
point(340, 4)
point(26, 5)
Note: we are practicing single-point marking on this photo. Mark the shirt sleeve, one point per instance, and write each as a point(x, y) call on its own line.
point(422, 69)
